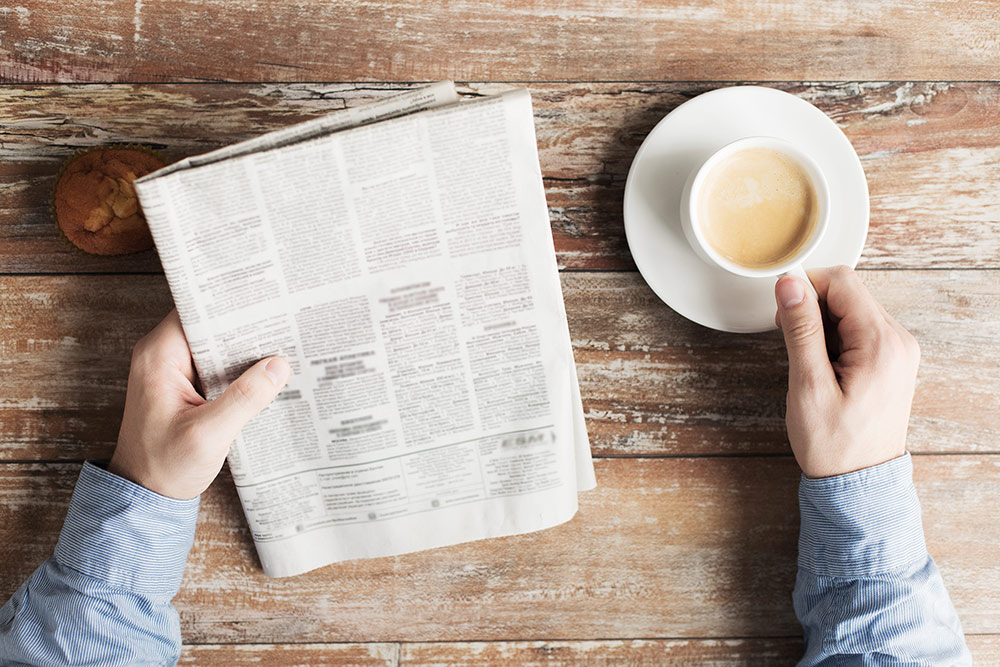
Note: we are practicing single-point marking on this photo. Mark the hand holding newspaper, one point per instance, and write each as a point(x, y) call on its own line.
point(399, 255)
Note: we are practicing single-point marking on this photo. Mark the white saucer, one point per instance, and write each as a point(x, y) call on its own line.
point(683, 140)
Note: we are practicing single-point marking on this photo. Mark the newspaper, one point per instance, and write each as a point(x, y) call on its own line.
point(399, 255)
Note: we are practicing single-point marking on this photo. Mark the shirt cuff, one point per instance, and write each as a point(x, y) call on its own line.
point(863, 523)
point(126, 535)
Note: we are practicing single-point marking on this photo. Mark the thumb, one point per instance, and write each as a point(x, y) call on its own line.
point(248, 395)
point(802, 324)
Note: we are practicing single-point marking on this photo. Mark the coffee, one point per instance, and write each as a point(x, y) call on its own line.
point(757, 207)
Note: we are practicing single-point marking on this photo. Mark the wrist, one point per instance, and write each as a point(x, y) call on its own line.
point(134, 470)
point(832, 463)
point(121, 465)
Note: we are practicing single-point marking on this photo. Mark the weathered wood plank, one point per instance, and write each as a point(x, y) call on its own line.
point(617, 653)
point(291, 655)
point(509, 40)
point(985, 649)
point(712, 652)
point(931, 152)
point(679, 547)
point(620, 653)
point(65, 349)
point(652, 382)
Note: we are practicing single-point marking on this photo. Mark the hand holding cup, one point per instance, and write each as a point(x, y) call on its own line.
point(850, 379)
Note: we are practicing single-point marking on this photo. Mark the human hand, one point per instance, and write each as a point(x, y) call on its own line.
point(848, 404)
point(172, 441)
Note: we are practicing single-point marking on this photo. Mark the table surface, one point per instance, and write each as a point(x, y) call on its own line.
point(685, 553)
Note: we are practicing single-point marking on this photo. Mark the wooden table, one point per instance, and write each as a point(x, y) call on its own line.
point(685, 553)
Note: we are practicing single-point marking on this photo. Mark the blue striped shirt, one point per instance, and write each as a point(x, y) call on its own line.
point(104, 596)
point(867, 592)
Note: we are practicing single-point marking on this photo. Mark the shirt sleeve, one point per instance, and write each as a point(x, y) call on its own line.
point(867, 590)
point(104, 597)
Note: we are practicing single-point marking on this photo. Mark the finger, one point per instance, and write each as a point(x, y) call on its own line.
point(893, 322)
point(858, 315)
point(248, 395)
point(844, 293)
point(168, 327)
point(169, 344)
point(802, 326)
point(903, 333)
point(890, 319)
point(907, 338)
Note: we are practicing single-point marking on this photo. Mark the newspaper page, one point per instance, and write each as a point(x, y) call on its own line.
point(406, 270)
point(437, 94)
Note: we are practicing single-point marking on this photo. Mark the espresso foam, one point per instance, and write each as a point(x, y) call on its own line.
point(757, 207)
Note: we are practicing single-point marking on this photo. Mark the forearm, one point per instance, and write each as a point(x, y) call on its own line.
point(104, 597)
point(866, 584)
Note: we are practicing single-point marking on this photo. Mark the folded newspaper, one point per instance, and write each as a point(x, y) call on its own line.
point(399, 255)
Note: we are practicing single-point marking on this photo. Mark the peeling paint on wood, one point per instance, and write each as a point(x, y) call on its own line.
point(292, 655)
point(679, 547)
point(934, 198)
point(582, 40)
point(721, 652)
point(636, 653)
point(652, 382)
point(622, 653)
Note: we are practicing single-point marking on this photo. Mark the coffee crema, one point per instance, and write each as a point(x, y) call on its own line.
point(757, 207)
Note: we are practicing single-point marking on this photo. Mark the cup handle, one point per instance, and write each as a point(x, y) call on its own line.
point(800, 273)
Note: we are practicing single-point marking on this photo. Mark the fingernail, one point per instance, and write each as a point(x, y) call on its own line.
point(790, 292)
point(278, 370)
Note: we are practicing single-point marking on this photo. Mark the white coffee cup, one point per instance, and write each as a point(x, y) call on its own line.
point(690, 214)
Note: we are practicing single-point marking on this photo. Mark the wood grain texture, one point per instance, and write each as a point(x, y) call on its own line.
point(931, 152)
point(634, 653)
point(985, 650)
point(653, 383)
point(619, 653)
point(582, 40)
point(681, 547)
point(721, 652)
point(291, 655)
